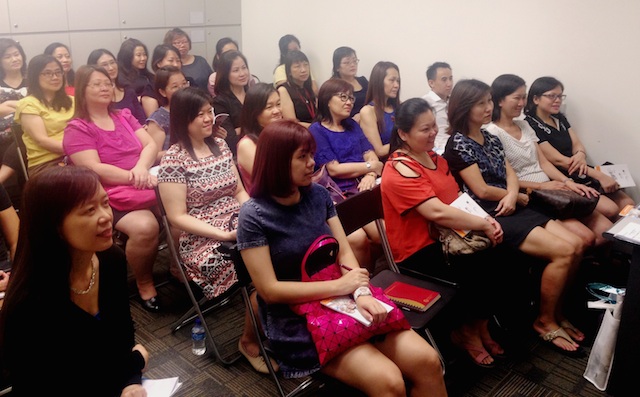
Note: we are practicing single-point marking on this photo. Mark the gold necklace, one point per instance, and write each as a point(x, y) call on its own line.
point(91, 282)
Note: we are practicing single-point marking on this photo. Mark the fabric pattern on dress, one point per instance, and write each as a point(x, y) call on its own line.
point(211, 188)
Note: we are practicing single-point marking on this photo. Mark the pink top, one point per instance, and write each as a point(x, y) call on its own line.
point(120, 147)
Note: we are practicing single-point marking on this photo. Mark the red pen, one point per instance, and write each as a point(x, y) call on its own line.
point(342, 265)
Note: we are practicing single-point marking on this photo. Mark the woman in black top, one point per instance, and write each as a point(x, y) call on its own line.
point(345, 67)
point(69, 278)
point(296, 94)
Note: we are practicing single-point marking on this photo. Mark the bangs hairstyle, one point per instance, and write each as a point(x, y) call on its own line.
point(406, 116)
point(162, 79)
point(375, 92)
point(95, 55)
point(5, 44)
point(48, 198)
point(83, 76)
point(185, 107)
point(223, 85)
point(295, 57)
point(539, 87)
point(160, 52)
point(173, 34)
point(36, 65)
point(254, 104)
point(51, 48)
point(219, 46)
point(283, 45)
point(272, 165)
point(503, 85)
point(338, 55)
point(327, 90)
point(464, 95)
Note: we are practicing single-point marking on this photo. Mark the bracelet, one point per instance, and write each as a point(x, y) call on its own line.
point(578, 151)
point(360, 291)
point(373, 174)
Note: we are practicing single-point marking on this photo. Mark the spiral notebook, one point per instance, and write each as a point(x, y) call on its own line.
point(411, 296)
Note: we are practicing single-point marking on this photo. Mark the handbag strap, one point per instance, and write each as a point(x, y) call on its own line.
point(324, 244)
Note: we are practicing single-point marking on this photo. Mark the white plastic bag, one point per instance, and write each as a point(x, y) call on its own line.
point(603, 349)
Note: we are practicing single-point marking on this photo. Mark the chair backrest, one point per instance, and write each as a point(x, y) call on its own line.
point(361, 209)
point(17, 132)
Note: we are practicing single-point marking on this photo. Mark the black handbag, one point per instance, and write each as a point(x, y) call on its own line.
point(562, 204)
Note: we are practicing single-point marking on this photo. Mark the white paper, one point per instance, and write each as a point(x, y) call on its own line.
point(345, 304)
point(619, 172)
point(465, 203)
point(630, 232)
point(161, 387)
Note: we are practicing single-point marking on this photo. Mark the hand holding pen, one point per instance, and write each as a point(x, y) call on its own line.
point(353, 279)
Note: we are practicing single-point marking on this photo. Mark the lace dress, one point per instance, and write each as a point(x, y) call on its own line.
point(211, 187)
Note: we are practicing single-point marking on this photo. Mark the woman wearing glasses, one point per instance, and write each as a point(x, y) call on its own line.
point(193, 66)
point(123, 97)
point(345, 67)
point(345, 152)
point(562, 146)
point(383, 98)
point(120, 151)
point(44, 113)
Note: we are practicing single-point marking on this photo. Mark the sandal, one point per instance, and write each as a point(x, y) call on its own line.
point(258, 362)
point(560, 333)
point(568, 326)
point(477, 354)
point(494, 348)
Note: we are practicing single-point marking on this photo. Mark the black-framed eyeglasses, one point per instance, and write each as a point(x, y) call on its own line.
point(555, 97)
point(344, 97)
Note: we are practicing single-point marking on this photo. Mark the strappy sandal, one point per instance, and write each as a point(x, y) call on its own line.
point(494, 348)
point(477, 354)
point(560, 333)
point(567, 325)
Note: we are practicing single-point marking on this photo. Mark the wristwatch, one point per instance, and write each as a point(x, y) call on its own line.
point(368, 164)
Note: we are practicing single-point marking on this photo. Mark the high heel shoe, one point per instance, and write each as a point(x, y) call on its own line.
point(151, 305)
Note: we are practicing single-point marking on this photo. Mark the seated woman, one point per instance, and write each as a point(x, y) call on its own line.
point(169, 79)
point(286, 44)
point(194, 67)
point(383, 97)
point(232, 81)
point(13, 87)
point(534, 171)
point(296, 93)
point(119, 150)
point(416, 190)
point(276, 227)
point(165, 55)
point(478, 163)
point(67, 220)
point(562, 146)
point(123, 97)
point(61, 52)
point(261, 108)
point(202, 194)
point(44, 114)
point(223, 45)
point(345, 67)
point(133, 72)
point(345, 152)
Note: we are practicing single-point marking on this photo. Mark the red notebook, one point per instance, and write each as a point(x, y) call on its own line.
point(411, 296)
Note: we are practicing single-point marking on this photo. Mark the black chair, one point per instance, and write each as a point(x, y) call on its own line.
point(201, 306)
point(365, 207)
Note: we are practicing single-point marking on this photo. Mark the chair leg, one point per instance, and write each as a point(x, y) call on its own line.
point(433, 343)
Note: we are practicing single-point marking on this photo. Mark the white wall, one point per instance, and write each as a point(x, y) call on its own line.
point(589, 45)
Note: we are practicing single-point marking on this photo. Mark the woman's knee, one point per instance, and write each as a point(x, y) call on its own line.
point(358, 240)
point(387, 383)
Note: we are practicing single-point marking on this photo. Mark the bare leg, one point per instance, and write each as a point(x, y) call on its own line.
point(359, 243)
point(141, 248)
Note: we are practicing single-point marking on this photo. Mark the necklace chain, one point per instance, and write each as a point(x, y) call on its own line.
point(91, 282)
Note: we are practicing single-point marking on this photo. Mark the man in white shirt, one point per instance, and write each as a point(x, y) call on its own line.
point(440, 81)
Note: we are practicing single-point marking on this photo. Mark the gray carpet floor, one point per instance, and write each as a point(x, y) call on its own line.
point(537, 369)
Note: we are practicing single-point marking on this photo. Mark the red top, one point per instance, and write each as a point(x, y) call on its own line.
point(408, 231)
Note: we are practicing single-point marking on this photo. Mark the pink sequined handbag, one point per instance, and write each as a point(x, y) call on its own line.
point(331, 331)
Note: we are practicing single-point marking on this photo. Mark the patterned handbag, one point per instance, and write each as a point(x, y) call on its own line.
point(331, 331)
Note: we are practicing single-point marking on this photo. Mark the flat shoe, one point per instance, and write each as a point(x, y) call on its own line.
point(151, 305)
point(561, 333)
point(476, 353)
point(258, 362)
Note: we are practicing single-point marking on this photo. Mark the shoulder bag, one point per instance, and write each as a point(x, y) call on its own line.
point(334, 332)
point(455, 244)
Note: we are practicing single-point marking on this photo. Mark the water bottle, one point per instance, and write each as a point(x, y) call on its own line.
point(198, 338)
